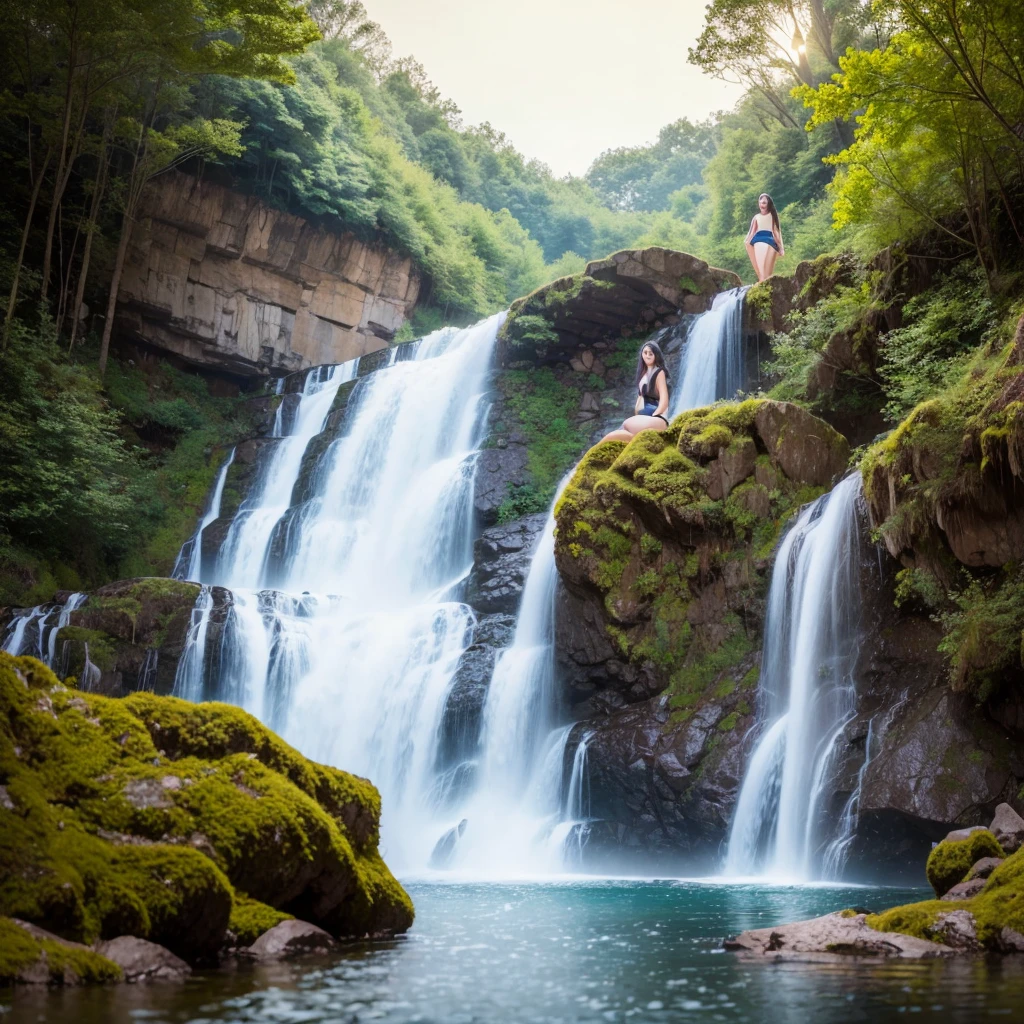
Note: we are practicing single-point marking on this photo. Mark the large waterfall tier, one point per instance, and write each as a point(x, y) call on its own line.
point(351, 655)
point(807, 696)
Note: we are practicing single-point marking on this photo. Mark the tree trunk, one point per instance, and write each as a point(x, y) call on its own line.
point(83, 274)
point(25, 232)
point(115, 284)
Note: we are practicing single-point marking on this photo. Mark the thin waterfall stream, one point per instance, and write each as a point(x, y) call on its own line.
point(780, 828)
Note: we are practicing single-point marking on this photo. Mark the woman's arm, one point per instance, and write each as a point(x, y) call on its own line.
point(661, 384)
point(752, 231)
point(778, 238)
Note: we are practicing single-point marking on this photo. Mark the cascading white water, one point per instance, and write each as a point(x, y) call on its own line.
point(35, 632)
point(242, 562)
point(353, 657)
point(189, 562)
point(713, 364)
point(807, 693)
point(514, 814)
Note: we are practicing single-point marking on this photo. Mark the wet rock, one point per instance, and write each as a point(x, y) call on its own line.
point(141, 960)
point(127, 636)
point(460, 725)
point(833, 937)
point(501, 561)
point(958, 930)
point(288, 940)
point(498, 470)
point(444, 850)
point(802, 446)
point(953, 858)
point(1008, 828)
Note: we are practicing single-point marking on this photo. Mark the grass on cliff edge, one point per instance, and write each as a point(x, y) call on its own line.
point(176, 822)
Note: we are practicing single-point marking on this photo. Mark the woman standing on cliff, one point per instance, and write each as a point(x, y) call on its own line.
point(764, 239)
point(651, 396)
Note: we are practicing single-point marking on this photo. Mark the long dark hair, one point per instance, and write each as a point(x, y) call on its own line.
point(659, 361)
point(771, 209)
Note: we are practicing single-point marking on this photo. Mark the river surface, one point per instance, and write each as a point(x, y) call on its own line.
point(573, 952)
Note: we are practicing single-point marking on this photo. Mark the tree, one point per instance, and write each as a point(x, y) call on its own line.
point(939, 143)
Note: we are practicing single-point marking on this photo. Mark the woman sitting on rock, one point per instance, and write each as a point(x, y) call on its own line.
point(651, 396)
point(764, 239)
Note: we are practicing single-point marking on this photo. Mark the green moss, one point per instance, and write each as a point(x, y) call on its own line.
point(950, 861)
point(999, 905)
point(250, 919)
point(759, 300)
point(139, 816)
point(65, 965)
point(687, 284)
point(545, 411)
point(76, 643)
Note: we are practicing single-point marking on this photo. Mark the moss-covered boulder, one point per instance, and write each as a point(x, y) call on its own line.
point(665, 546)
point(33, 956)
point(952, 859)
point(993, 920)
point(174, 822)
point(127, 635)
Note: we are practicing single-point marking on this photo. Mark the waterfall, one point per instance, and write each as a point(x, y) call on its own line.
point(713, 363)
point(189, 562)
point(242, 561)
point(352, 657)
point(514, 816)
point(35, 631)
point(807, 693)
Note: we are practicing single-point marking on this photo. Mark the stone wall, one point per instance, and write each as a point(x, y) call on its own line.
point(224, 281)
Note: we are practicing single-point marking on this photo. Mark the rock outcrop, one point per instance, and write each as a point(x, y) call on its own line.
point(224, 281)
point(130, 635)
point(664, 546)
point(630, 292)
point(191, 826)
point(834, 937)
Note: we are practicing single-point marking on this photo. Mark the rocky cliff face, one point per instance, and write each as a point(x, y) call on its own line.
point(224, 281)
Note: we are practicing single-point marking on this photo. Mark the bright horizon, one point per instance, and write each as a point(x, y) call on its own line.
point(565, 80)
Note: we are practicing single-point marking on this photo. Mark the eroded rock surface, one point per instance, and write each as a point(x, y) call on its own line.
point(224, 281)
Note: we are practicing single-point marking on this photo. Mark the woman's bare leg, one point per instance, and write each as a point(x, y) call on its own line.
point(753, 259)
point(634, 425)
point(761, 251)
point(769, 261)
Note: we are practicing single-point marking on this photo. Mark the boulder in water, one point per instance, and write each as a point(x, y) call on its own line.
point(837, 936)
point(290, 939)
point(150, 812)
point(141, 960)
point(444, 850)
point(30, 955)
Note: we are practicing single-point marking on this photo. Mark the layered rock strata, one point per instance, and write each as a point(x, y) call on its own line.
point(224, 281)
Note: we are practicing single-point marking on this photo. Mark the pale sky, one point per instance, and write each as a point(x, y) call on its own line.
point(563, 79)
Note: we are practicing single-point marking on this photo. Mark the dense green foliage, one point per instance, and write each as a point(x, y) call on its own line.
point(100, 485)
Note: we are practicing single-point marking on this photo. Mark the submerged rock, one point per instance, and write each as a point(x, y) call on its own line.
point(444, 850)
point(140, 960)
point(290, 939)
point(148, 816)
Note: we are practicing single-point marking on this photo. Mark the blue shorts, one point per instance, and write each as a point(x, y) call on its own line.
point(650, 409)
point(767, 237)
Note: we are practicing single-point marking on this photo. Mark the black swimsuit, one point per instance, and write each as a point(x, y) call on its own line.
point(646, 391)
